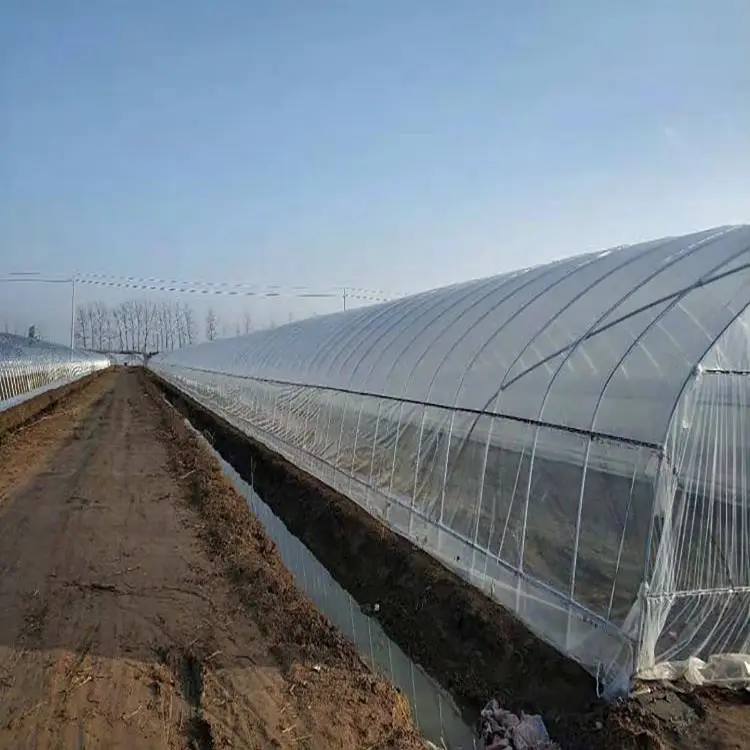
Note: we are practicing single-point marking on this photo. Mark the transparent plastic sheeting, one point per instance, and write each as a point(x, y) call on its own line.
point(28, 367)
point(571, 438)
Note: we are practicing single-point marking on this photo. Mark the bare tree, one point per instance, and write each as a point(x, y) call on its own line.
point(123, 326)
point(128, 316)
point(133, 324)
point(137, 316)
point(162, 328)
point(118, 327)
point(91, 322)
point(81, 327)
point(148, 314)
point(212, 324)
point(127, 324)
point(100, 326)
point(138, 325)
point(189, 321)
point(247, 322)
point(179, 325)
point(169, 325)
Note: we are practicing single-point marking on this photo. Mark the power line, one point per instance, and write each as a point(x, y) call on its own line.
point(34, 279)
point(262, 292)
point(221, 288)
point(268, 289)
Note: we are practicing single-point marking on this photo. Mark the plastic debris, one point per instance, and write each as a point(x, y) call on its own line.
point(530, 733)
point(501, 729)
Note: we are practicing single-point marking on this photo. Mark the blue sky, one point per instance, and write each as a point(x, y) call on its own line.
point(382, 144)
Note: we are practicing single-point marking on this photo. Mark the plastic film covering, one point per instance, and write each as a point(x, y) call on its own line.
point(29, 366)
point(568, 438)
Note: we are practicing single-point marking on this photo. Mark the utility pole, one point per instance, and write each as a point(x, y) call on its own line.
point(344, 299)
point(73, 313)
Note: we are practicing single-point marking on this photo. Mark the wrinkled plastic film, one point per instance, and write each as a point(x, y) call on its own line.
point(698, 604)
point(29, 366)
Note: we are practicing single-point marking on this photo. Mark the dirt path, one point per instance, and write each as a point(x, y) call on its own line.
point(118, 625)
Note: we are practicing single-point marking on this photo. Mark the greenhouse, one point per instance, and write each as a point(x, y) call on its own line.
point(28, 366)
point(572, 439)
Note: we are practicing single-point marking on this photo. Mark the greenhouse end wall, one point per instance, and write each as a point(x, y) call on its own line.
point(29, 366)
point(698, 600)
point(550, 435)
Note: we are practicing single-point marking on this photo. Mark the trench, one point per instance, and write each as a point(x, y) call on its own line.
point(435, 713)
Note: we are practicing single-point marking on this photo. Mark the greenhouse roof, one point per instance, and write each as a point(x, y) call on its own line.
point(601, 343)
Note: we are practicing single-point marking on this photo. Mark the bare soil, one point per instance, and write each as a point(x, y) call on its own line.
point(25, 412)
point(142, 606)
point(473, 647)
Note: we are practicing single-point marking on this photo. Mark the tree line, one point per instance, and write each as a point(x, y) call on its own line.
point(147, 326)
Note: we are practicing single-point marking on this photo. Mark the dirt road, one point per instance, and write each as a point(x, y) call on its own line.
point(142, 607)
